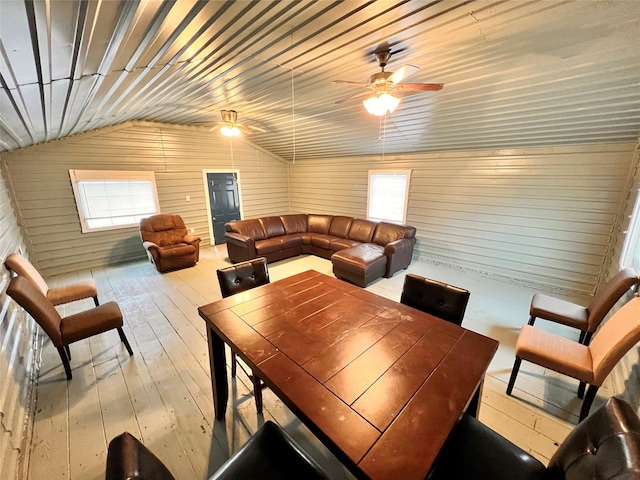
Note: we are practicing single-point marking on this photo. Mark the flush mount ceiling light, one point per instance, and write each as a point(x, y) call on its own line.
point(383, 82)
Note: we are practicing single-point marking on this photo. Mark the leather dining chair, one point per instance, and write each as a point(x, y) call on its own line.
point(269, 454)
point(238, 278)
point(58, 296)
point(588, 363)
point(436, 298)
point(64, 331)
point(605, 446)
point(586, 319)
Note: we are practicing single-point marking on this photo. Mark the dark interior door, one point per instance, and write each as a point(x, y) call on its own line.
point(224, 202)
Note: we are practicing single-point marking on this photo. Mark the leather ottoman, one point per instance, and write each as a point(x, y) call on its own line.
point(360, 265)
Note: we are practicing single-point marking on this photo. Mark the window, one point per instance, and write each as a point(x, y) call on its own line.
point(631, 250)
point(388, 195)
point(110, 199)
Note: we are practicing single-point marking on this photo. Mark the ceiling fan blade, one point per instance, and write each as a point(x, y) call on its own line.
point(419, 87)
point(347, 82)
point(404, 72)
point(257, 129)
point(354, 96)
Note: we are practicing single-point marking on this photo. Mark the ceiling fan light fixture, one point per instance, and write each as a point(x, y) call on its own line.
point(380, 104)
point(228, 131)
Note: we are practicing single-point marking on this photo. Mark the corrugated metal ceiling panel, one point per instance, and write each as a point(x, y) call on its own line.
point(516, 73)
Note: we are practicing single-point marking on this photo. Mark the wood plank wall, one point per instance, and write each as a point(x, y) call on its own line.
point(19, 356)
point(39, 179)
point(540, 216)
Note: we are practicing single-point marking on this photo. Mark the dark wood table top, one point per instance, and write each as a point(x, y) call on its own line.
point(380, 383)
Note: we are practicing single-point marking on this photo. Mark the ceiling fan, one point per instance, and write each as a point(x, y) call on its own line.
point(382, 83)
point(230, 127)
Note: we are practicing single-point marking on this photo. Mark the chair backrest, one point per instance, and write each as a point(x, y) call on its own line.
point(436, 298)
point(608, 294)
point(243, 276)
point(29, 297)
point(163, 229)
point(605, 445)
point(21, 266)
point(127, 458)
point(615, 338)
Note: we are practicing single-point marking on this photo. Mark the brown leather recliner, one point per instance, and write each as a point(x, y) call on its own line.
point(168, 243)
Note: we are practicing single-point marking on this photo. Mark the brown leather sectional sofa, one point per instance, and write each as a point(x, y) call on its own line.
point(360, 250)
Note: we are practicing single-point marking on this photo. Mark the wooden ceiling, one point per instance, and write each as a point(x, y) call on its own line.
point(517, 73)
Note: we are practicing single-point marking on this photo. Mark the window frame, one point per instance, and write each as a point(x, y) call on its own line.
point(407, 173)
point(630, 255)
point(78, 176)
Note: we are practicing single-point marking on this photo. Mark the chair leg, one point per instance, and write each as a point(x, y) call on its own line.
point(68, 351)
point(581, 389)
point(257, 392)
point(65, 361)
point(588, 400)
point(124, 340)
point(531, 320)
point(581, 337)
point(95, 300)
point(514, 374)
point(234, 364)
point(587, 338)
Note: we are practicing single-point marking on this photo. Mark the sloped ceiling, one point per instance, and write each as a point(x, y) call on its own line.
point(516, 73)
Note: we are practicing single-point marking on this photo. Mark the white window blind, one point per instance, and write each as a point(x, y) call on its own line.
point(113, 199)
point(388, 195)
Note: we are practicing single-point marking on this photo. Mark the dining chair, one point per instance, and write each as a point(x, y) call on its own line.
point(605, 446)
point(436, 298)
point(19, 265)
point(238, 278)
point(588, 363)
point(586, 319)
point(64, 331)
point(269, 454)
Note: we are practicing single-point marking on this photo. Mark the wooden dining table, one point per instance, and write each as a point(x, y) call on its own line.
point(379, 383)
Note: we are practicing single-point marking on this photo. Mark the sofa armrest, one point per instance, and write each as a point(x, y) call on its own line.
point(475, 451)
point(193, 240)
point(399, 255)
point(153, 251)
point(240, 247)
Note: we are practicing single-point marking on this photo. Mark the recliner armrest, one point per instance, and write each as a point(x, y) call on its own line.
point(473, 450)
point(191, 239)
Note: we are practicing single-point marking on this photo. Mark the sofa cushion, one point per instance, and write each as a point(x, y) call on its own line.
point(273, 226)
point(338, 244)
point(177, 250)
point(291, 241)
point(318, 223)
point(340, 226)
point(249, 228)
point(296, 223)
point(387, 232)
point(268, 245)
point(362, 230)
point(322, 241)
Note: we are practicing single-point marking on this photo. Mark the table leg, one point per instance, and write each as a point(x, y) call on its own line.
point(474, 405)
point(217, 363)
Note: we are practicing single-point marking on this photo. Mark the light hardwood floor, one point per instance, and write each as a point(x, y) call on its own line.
point(162, 394)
